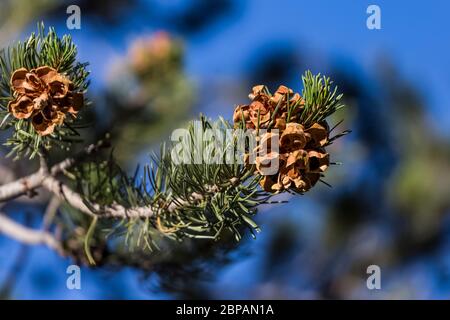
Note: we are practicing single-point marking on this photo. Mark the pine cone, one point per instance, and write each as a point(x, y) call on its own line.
point(264, 105)
point(44, 96)
point(302, 157)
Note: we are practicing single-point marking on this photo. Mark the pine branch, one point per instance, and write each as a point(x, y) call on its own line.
point(29, 183)
point(202, 199)
point(64, 193)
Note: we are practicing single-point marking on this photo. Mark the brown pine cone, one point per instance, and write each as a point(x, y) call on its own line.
point(44, 96)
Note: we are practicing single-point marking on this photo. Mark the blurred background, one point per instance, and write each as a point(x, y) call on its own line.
point(157, 63)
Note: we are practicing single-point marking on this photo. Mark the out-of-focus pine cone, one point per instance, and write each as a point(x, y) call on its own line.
point(44, 96)
point(151, 53)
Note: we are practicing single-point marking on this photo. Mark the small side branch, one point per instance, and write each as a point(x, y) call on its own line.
point(26, 235)
point(22, 186)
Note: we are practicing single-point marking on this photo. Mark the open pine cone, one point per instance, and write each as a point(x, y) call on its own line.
point(44, 96)
point(302, 157)
point(265, 105)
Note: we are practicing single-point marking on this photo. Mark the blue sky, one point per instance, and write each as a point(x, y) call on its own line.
point(414, 34)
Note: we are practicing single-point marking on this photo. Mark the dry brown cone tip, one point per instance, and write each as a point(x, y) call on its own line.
point(302, 157)
point(44, 96)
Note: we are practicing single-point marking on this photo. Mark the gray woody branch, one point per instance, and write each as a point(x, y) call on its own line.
point(45, 178)
point(26, 235)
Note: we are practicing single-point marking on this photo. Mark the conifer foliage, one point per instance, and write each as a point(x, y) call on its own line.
point(43, 97)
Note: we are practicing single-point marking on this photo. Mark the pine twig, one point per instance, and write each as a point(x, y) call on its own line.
point(29, 183)
point(74, 199)
point(26, 235)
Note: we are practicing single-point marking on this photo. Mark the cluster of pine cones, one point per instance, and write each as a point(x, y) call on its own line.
point(301, 156)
